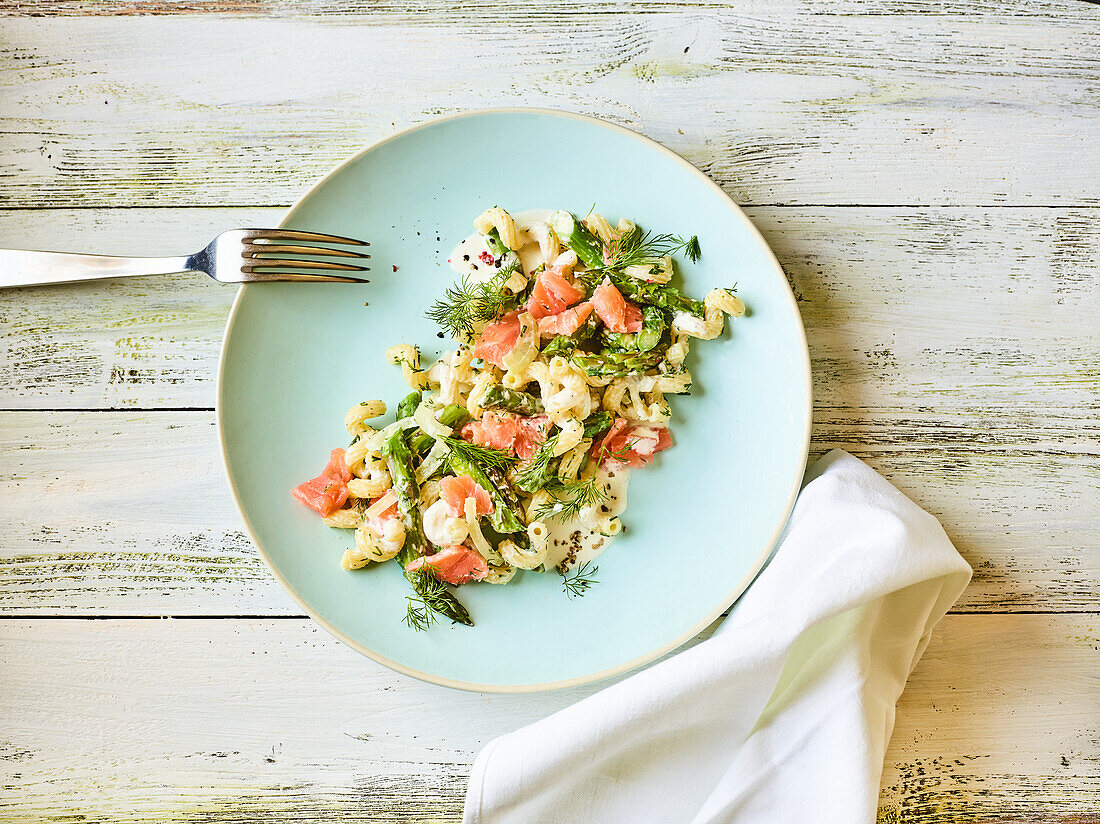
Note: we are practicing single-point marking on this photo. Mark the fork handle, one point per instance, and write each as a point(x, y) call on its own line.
point(27, 268)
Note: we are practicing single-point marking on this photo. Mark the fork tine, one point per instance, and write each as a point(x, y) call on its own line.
point(294, 234)
point(255, 249)
point(253, 264)
point(303, 277)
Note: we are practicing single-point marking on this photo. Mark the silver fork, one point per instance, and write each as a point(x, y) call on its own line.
point(236, 256)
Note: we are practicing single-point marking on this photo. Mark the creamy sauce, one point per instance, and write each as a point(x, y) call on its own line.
point(466, 258)
point(577, 541)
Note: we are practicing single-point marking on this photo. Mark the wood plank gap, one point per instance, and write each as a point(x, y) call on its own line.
point(55, 205)
point(259, 616)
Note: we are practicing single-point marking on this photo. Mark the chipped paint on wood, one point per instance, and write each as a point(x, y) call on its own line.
point(499, 9)
point(998, 723)
point(982, 310)
point(954, 349)
point(249, 721)
point(783, 108)
point(139, 520)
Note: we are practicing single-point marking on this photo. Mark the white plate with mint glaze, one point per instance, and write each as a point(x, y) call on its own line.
point(702, 518)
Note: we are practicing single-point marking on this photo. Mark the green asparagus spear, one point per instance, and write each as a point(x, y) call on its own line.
point(500, 397)
point(597, 424)
point(588, 329)
point(661, 295)
point(576, 236)
point(400, 462)
point(520, 539)
point(505, 517)
point(408, 405)
point(652, 333)
point(653, 329)
point(561, 345)
point(615, 364)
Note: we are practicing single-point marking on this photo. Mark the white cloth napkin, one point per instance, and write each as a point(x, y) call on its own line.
point(783, 715)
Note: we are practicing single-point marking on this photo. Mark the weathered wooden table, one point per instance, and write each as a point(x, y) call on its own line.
point(927, 173)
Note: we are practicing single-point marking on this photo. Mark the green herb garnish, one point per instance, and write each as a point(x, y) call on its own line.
point(534, 474)
point(637, 247)
point(467, 304)
point(577, 584)
point(430, 600)
point(485, 457)
point(568, 498)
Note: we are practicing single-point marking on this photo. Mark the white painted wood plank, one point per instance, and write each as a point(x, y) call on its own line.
point(243, 721)
point(490, 9)
point(131, 510)
point(149, 342)
point(778, 107)
point(979, 310)
point(108, 513)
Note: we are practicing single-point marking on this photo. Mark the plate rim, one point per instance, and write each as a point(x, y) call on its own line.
point(638, 661)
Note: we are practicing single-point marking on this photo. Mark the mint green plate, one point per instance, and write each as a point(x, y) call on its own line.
point(701, 519)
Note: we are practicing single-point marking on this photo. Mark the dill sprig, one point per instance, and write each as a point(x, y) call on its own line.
point(577, 584)
point(568, 498)
point(427, 602)
point(466, 304)
point(638, 247)
point(486, 457)
point(532, 474)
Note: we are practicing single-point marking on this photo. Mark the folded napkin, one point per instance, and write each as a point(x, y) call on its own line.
point(784, 714)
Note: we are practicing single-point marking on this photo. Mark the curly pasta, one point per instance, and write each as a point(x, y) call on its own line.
point(408, 357)
point(571, 434)
point(659, 271)
point(370, 546)
point(344, 519)
point(356, 418)
point(572, 460)
point(477, 393)
point(568, 396)
point(525, 557)
point(547, 239)
point(367, 468)
point(610, 527)
point(497, 218)
point(717, 304)
point(597, 224)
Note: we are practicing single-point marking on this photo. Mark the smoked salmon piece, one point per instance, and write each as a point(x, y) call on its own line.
point(530, 434)
point(498, 339)
point(494, 430)
point(567, 322)
point(328, 491)
point(456, 489)
point(552, 294)
point(632, 446)
point(519, 435)
point(454, 564)
point(617, 313)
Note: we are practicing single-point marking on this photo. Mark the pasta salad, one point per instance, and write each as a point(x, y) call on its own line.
point(512, 451)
